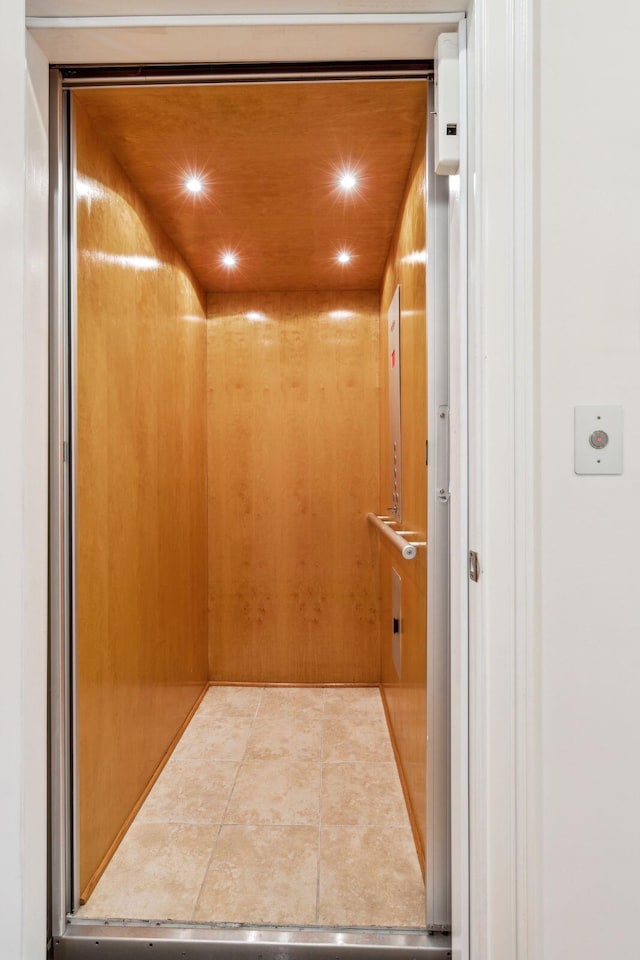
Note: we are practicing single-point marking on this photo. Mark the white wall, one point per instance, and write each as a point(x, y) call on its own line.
point(12, 54)
point(587, 623)
point(35, 502)
point(23, 486)
point(588, 317)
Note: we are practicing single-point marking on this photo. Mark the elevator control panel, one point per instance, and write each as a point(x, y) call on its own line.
point(396, 621)
point(598, 439)
point(395, 416)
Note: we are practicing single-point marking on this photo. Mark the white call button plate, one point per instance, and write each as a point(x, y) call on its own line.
point(589, 420)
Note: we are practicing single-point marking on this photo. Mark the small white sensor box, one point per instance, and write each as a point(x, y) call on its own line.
point(447, 105)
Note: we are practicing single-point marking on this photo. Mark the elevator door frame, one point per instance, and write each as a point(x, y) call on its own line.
point(118, 939)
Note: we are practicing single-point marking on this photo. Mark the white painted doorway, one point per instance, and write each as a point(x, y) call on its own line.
point(500, 188)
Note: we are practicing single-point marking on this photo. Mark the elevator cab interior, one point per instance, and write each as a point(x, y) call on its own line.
point(249, 389)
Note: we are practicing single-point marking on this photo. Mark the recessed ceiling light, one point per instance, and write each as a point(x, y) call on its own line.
point(229, 260)
point(193, 184)
point(344, 257)
point(347, 180)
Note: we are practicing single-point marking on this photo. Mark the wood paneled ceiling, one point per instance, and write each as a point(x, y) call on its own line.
point(270, 156)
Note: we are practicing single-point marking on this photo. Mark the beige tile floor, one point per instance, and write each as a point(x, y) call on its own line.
point(278, 806)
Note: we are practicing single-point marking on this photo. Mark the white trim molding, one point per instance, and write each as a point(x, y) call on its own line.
point(503, 677)
point(128, 22)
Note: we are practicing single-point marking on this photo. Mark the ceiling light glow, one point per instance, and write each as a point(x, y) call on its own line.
point(193, 184)
point(229, 260)
point(128, 261)
point(416, 256)
point(344, 257)
point(348, 180)
point(88, 188)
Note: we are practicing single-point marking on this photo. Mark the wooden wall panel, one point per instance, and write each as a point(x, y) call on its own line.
point(141, 496)
point(406, 697)
point(293, 470)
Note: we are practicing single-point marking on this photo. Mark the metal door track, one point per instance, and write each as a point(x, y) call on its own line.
point(122, 941)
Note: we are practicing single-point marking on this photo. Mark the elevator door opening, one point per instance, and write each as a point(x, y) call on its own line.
point(235, 252)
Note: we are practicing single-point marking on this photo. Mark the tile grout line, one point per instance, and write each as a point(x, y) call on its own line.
point(324, 714)
point(221, 824)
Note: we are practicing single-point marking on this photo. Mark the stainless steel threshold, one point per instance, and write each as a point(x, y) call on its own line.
point(130, 941)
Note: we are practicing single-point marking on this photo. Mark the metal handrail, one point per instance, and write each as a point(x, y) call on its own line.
point(408, 549)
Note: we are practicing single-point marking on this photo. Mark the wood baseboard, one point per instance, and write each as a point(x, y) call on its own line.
point(255, 683)
point(104, 863)
point(407, 799)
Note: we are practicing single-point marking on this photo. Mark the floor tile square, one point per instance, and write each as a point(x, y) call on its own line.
point(156, 873)
point(292, 702)
point(356, 738)
point(221, 701)
point(190, 791)
point(370, 877)
point(362, 793)
point(276, 792)
point(214, 738)
point(261, 874)
point(346, 701)
point(279, 738)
